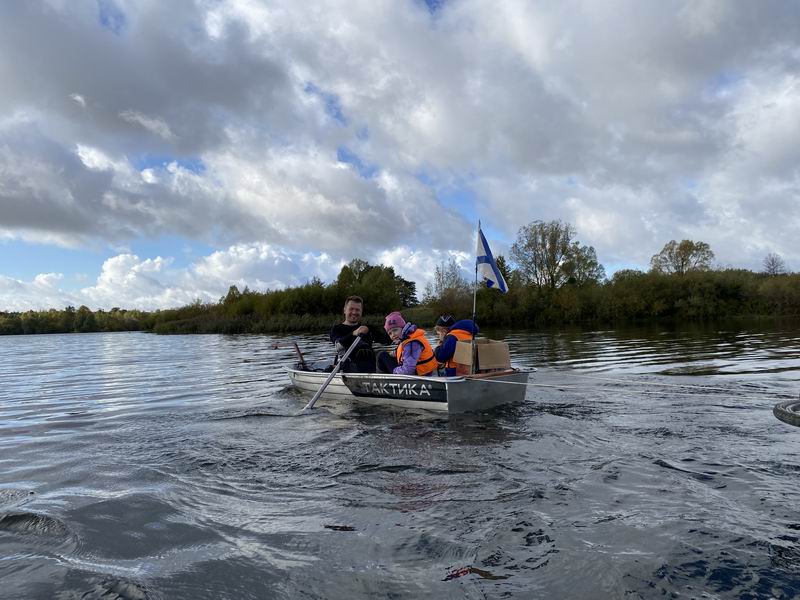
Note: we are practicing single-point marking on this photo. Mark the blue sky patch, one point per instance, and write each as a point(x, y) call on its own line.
point(155, 161)
point(457, 196)
point(333, 107)
point(461, 200)
point(24, 260)
point(724, 82)
point(81, 266)
point(183, 251)
point(434, 6)
point(111, 16)
point(345, 155)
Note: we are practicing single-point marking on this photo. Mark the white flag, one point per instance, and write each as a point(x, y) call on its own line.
point(487, 267)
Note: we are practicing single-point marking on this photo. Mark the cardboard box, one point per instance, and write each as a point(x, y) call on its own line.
point(492, 356)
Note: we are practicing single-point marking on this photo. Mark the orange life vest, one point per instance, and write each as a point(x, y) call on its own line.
point(427, 361)
point(461, 336)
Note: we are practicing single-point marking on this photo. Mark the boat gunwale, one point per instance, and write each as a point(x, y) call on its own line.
point(390, 376)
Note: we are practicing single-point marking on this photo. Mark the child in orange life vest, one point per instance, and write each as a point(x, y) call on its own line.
point(450, 332)
point(414, 355)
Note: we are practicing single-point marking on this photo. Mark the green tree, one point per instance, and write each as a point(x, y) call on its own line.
point(582, 266)
point(681, 258)
point(407, 292)
point(67, 321)
point(378, 288)
point(502, 266)
point(10, 324)
point(30, 322)
point(232, 296)
point(352, 274)
point(85, 320)
point(548, 257)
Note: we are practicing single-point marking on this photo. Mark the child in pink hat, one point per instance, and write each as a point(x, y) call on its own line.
point(414, 355)
point(394, 322)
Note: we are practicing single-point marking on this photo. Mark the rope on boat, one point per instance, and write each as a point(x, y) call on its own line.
point(706, 388)
point(640, 392)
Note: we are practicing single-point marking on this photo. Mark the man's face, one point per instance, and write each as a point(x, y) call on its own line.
point(440, 332)
point(352, 312)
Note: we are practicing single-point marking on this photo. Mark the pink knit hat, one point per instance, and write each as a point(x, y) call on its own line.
point(393, 320)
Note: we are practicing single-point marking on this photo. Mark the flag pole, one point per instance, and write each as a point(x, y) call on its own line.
point(475, 304)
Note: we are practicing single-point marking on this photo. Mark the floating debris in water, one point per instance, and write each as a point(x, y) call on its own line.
point(340, 527)
point(482, 573)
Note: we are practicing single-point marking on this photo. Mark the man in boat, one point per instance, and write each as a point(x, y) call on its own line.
point(362, 359)
point(414, 355)
point(450, 332)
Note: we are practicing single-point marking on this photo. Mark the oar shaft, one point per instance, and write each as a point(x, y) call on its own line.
point(333, 374)
point(300, 356)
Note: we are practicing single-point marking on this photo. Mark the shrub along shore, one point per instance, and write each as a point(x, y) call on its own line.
point(628, 297)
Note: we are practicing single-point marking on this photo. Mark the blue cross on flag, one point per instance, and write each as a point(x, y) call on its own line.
point(487, 267)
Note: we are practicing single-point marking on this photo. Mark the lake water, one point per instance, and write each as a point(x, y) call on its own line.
point(643, 464)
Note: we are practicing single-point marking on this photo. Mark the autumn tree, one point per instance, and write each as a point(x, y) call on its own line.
point(680, 258)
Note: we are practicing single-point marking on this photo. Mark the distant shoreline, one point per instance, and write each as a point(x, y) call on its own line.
point(321, 324)
point(629, 297)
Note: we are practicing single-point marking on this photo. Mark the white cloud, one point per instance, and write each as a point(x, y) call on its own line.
point(419, 265)
point(151, 124)
point(40, 293)
point(47, 280)
point(636, 122)
point(97, 160)
point(128, 281)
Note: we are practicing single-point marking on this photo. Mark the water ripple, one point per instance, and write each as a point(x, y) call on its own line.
point(643, 463)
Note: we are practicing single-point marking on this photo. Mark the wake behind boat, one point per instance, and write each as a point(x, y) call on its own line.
point(463, 393)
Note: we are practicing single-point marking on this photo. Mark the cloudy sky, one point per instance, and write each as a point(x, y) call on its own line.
point(153, 152)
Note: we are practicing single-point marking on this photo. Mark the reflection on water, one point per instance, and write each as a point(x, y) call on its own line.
point(689, 351)
point(644, 463)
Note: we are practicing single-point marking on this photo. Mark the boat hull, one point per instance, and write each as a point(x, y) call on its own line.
point(443, 394)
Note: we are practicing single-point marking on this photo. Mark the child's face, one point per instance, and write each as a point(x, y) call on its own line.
point(394, 333)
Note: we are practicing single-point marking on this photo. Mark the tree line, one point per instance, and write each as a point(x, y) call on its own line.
point(553, 279)
point(312, 306)
point(72, 320)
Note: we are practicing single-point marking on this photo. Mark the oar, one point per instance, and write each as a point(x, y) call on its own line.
point(333, 374)
point(300, 355)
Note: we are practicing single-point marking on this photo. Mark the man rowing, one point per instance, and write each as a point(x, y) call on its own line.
point(343, 335)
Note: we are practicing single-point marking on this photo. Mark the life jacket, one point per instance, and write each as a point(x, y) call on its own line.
point(427, 361)
point(461, 336)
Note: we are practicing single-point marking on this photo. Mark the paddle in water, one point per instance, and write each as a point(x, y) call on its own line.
point(333, 374)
